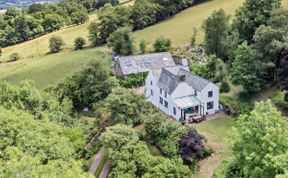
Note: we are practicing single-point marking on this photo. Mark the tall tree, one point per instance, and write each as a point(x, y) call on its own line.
point(245, 69)
point(259, 143)
point(253, 14)
point(216, 32)
point(121, 41)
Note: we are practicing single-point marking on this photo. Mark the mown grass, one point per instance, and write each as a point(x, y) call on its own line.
point(217, 134)
point(51, 69)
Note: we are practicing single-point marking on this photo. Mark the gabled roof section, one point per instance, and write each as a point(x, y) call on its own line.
point(143, 63)
point(170, 77)
point(195, 81)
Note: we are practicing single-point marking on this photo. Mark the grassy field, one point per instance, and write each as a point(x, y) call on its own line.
point(179, 28)
point(40, 46)
point(216, 132)
point(50, 69)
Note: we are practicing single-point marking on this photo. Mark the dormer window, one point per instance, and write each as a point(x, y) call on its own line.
point(151, 83)
point(161, 91)
point(165, 94)
point(195, 92)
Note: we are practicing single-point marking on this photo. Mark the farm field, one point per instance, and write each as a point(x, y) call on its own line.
point(51, 69)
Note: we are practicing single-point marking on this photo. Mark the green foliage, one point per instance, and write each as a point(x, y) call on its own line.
point(14, 57)
point(27, 98)
point(245, 71)
point(123, 107)
point(253, 14)
point(259, 142)
point(142, 46)
point(32, 147)
point(56, 44)
point(238, 107)
point(79, 17)
point(79, 43)
point(130, 157)
point(21, 25)
point(121, 41)
point(110, 19)
point(144, 13)
point(133, 80)
point(90, 86)
point(224, 86)
point(162, 44)
point(216, 32)
point(278, 100)
point(193, 39)
point(214, 69)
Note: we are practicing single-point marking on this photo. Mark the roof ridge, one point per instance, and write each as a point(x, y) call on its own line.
point(195, 75)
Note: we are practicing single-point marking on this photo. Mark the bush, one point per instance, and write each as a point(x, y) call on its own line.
point(79, 43)
point(238, 107)
point(224, 87)
point(278, 100)
point(133, 80)
point(162, 44)
point(14, 57)
point(56, 44)
point(142, 46)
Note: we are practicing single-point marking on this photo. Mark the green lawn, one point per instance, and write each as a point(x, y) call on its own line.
point(51, 69)
point(217, 134)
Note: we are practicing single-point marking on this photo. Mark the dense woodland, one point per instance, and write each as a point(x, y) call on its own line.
point(43, 135)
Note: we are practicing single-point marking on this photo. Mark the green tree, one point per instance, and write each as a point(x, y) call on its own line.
point(162, 44)
point(79, 42)
point(79, 17)
point(216, 32)
point(193, 39)
point(121, 41)
point(123, 107)
point(253, 14)
point(142, 46)
point(89, 86)
point(259, 142)
point(93, 36)
point(56, 44)
point(144, 13)
point(52, 22)
point(245, 71)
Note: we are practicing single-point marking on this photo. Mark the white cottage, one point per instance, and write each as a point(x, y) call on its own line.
point(181, 94)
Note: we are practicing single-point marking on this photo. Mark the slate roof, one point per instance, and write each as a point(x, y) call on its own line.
point(169, 79)
point(143, 63)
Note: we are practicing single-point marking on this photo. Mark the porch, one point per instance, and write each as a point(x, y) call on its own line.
point(190, 108)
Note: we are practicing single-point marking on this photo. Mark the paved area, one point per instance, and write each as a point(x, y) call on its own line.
point(96, 161)
point(105, 171)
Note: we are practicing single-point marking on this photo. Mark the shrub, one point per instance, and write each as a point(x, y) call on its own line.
point(142, 46)
point(162, 44)
point(79, 43)
point(278, 100)
point(133, 80)
point(14, 57)
point(56, 44)
point(191, 147)
point(238, 107)
point(224, 87)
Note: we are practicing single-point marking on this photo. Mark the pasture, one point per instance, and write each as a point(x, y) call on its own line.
point(51, 69)
point(179, 28)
